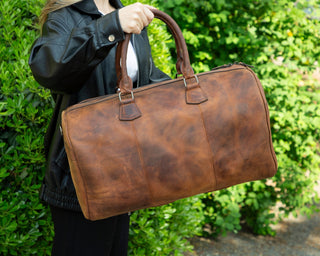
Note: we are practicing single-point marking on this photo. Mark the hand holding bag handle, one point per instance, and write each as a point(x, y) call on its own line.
point(194, 94)
point(177, 34)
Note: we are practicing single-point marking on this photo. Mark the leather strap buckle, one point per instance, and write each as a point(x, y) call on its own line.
point(185, 82)
point(132, 97)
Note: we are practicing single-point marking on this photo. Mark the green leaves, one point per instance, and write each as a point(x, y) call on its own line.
point(163, 230)
point(24, 115)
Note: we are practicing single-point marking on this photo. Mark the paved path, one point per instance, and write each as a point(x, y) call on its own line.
point(295, 237)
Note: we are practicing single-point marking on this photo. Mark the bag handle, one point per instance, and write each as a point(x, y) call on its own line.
point(182, 52)
point(194, 94)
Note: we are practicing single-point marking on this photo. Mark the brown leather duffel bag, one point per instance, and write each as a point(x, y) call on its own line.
point(162, 142)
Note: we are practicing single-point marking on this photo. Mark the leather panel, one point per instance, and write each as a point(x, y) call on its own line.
point(174, 150)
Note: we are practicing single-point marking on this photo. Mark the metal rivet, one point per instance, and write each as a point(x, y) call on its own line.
point(111, 38)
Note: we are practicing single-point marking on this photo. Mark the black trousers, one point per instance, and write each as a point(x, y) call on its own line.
point(77, 236)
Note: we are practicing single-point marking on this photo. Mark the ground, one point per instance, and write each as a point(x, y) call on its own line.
point(295, 237)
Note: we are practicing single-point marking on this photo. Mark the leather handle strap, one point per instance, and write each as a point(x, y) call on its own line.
point(183, 63)
point(181, 46)
point(129, 110)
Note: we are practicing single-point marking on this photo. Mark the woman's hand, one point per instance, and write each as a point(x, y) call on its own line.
point(134, 17)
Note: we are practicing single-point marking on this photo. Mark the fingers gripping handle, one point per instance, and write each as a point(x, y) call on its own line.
point(194, 94)
point(183, 62)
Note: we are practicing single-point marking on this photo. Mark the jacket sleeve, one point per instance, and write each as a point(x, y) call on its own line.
point(63, 58)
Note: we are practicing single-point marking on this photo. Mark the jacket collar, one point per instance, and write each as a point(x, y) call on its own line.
point(88, 6)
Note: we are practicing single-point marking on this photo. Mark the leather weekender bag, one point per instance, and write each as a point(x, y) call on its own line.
point(170, 140)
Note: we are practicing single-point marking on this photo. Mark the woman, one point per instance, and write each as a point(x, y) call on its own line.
point(75, 59)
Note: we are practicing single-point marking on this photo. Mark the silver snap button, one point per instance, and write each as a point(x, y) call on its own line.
point(111, 38)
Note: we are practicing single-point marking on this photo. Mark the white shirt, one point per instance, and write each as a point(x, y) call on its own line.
point(132, 62)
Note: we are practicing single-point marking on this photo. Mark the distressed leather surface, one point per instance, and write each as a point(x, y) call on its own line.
point(173, 149)
point(169, 140)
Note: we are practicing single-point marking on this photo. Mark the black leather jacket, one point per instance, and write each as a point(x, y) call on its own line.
point(75, 59)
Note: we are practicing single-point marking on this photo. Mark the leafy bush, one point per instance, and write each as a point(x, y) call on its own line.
point(282, 40)
point(24, 111)
point(163, 230)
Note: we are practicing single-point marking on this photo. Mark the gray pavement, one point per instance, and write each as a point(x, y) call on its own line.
point(295, 237)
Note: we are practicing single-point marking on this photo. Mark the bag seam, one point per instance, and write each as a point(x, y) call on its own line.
point(80, 172)
point(267, 117)
point(212, 155)
point(141, 160)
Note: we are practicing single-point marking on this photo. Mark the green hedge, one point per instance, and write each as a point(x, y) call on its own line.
point(281, 39)
point(24, 112)
point(257, 32)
